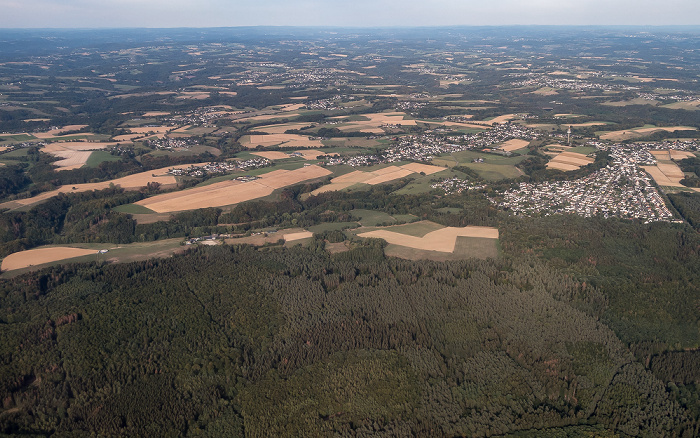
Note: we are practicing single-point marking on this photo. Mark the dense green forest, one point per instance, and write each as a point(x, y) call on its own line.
point(233, 340)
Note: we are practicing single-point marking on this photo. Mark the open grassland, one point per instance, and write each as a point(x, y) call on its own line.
point(442, 240)
point(372, 218)
point(693, 105)
point(231, 192)
point(637, 101)
point(629, 134)
point(266, 237)
point(465, 247)
point(97, 157)
point(569, 161)
point(416, 229)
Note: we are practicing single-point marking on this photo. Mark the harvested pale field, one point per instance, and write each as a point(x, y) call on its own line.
point(156, 114)
point(562, 166)
point(265, 117)
point(74, 154)
point(298, 236)
point(679, 155)
point(39, 256)
point(457, 124)
point(230, 192)
point(58, 132)
point(357, 176)
point(285, 140)
point(153, 129)
point(425, 168)
point(671, 154)
point(284, 178)
point(126, 137)
point(661, 178)
point(129, 182)
point(333, 187)
point(193, 95)
point(53, 148)
point(569, 161)
point(272, 87)
point(271, 155)
point(390, 176)
point(213, 195)
point(628, 134)
point(671, 170)
point(71, 159)
point(378, 176)
point(515, 144)
point(442, 240)
point(375, 122)
point(280, 129)
point(502, 119)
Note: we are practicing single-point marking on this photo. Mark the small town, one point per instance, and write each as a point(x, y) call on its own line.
point(220, 167)
point(621, 190)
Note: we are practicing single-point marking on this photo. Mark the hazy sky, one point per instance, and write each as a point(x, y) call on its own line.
point(214, 13)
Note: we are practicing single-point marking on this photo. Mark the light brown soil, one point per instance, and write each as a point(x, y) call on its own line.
point(441, 240)
point(34, 257)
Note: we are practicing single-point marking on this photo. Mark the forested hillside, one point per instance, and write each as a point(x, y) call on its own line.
point(234, 341)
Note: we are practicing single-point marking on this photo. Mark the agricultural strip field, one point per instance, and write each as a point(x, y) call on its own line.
point(569, 161)
point(284, 140)
point(288, 235)
point(514, 145)
point(75, 154)
point(666, 174)
point(230, 192)
point(128, 182)
point(672, 154)
point(378, 176)
point(40, 256)
point(628, 134)
point(442, 240)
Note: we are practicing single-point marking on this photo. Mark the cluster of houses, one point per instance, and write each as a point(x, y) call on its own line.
point(220, 167)
point(169, 143)
point(543, 80)
point(326, 104)
point(427, 146)
point(622, 190)
point(453, 186)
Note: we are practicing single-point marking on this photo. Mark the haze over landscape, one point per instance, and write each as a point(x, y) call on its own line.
point(362, 13)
